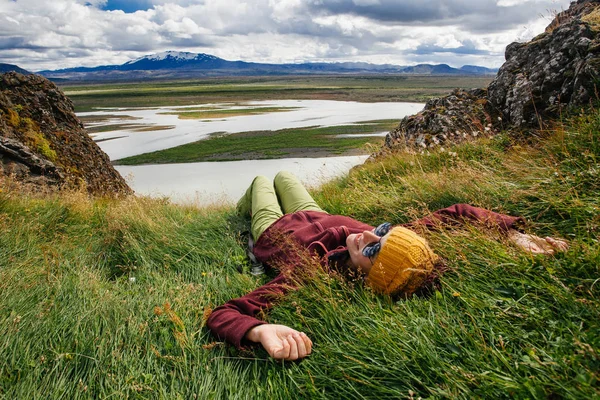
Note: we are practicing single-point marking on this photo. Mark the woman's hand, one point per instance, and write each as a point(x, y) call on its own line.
point(280, 341)
point(537, 245)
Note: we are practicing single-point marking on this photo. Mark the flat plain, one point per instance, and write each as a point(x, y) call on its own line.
point(253, 144)
point(370, 88)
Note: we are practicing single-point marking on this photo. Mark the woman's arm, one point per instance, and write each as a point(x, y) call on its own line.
point(236, 323)
point(231, 321)
point(461, 213)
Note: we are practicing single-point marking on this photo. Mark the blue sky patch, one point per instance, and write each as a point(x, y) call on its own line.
point(128, 6)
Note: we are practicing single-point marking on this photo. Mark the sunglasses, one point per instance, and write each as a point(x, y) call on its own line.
point(372, 249)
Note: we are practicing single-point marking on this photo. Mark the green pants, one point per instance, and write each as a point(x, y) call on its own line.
point(267, 201)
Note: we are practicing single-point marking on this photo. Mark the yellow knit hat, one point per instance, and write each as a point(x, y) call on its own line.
point(403, 263)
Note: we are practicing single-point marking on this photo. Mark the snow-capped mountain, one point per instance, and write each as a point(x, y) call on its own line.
point(177, 56)
point(175, 64)
point(175, 59)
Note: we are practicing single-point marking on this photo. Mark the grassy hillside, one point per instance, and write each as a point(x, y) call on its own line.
point(108, 299)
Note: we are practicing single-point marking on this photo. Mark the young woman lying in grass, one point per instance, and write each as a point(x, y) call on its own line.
point(394, 261)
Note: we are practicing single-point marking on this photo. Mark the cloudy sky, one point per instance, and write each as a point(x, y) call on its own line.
point(53, 34)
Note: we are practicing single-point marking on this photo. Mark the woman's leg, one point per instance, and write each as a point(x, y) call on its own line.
point(264, 206)
point(244, 205)
point(292, 195)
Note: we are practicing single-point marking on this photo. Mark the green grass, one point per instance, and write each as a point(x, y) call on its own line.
point(225, 113)
point(241, 89)
point(504, 324)
point(296, 142)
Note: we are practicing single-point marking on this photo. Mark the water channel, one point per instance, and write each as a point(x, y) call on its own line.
point(218, 182)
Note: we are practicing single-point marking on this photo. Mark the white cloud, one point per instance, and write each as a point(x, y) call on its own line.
point(511, 3)
point(185, 28)
point(68, 33)
point(94, 3)
point(14, 21)
point(282, 10)
point(366, 2)
point(136, 30)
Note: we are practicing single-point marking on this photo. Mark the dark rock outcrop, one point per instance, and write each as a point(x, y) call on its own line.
point(556, 70)
point(453, 118)
point(42, 141)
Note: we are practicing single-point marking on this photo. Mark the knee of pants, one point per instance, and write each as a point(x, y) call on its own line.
point(282, 176)
point(261, 179)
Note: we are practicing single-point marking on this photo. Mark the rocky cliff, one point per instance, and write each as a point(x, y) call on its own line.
point(557, 70)
point(42, 142)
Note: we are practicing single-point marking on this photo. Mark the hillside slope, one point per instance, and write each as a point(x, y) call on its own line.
point(107, 298)
point(12, 68)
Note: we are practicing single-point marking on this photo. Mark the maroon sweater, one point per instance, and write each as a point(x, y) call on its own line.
point(324, 236)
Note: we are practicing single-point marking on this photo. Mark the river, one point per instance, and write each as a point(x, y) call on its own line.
point(223, 182)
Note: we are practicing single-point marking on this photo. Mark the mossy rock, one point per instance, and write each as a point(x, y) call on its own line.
point(593, 19)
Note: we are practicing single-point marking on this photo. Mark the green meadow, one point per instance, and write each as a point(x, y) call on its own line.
point(87, 97)
point(104, 298)
point(296, 142)
point(212, 114)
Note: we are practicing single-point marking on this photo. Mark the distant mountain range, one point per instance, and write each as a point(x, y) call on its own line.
point(9, 67)
point(173, 64)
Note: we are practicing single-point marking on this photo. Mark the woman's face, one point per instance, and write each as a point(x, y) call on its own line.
point(355, 243)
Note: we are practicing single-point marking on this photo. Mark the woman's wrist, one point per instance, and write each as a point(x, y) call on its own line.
point(253, 334)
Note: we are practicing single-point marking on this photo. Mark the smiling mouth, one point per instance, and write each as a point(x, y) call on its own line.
point(357, 241)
